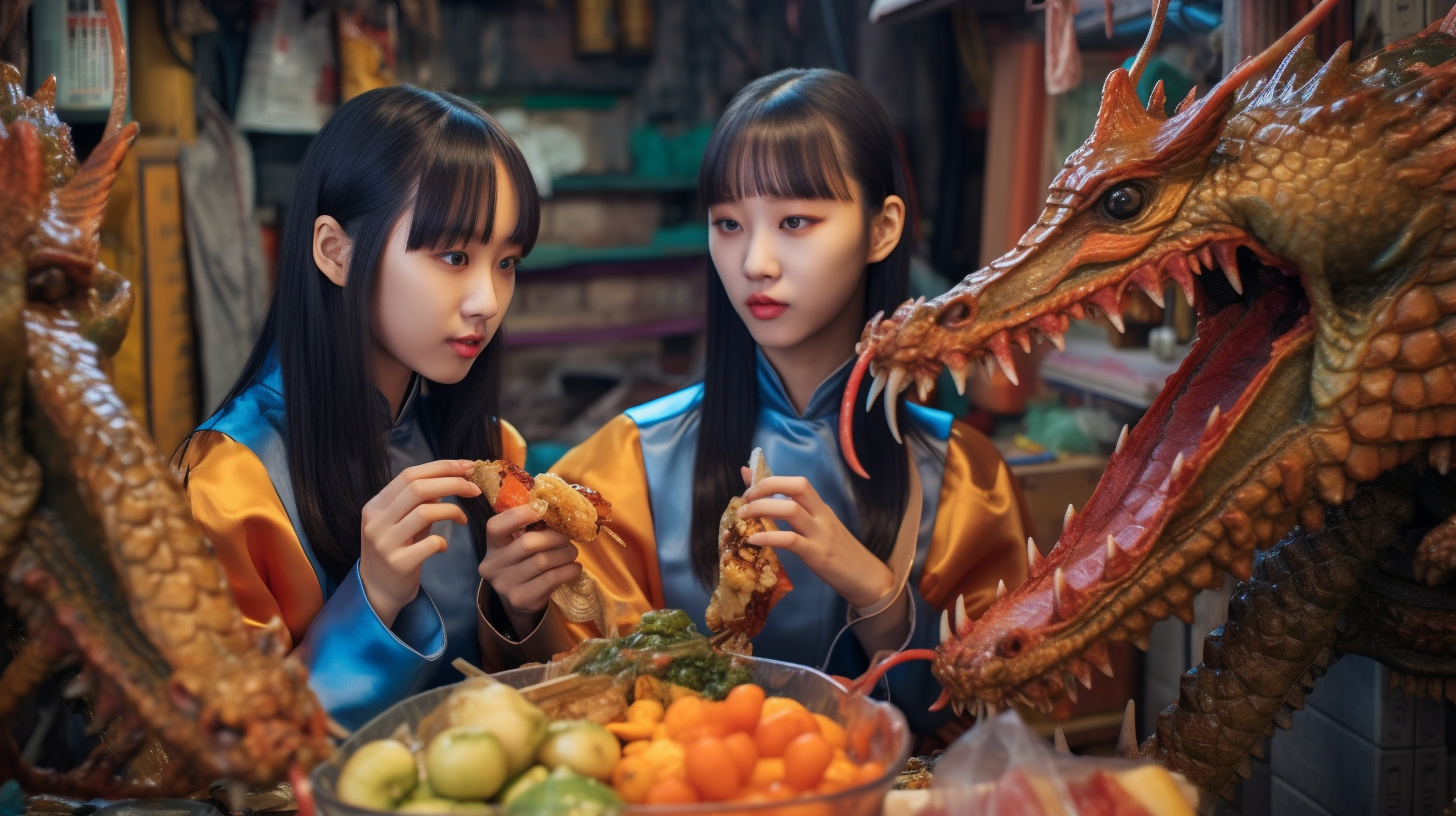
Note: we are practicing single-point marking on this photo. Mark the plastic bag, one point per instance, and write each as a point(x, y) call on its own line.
point(1002, 768)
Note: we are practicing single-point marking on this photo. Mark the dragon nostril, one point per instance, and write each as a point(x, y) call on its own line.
point(954, 315)
point(1012, 645)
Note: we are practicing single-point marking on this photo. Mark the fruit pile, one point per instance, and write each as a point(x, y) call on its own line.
point(746, 748)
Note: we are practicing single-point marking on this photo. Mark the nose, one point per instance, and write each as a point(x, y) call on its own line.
point(762, 260)
point(480, 299)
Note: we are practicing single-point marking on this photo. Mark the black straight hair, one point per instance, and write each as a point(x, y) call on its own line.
point(383, 153)
point(797, 134)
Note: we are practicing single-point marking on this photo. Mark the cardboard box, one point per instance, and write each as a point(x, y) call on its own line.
point(1341, 771)
point(142, 238)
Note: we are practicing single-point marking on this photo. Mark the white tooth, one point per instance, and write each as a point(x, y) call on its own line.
point(1116, 322)
point(1154, 292)
point(1069, 686)
point(991, 709)
point(1232, 273)
point(1058, 341)
point(1121, 438)
point(1141, 641)
point(1068, 517)
point(893, 388)
point(1187, 292)
point(958, 708)
point(990, 365)
point(1033, 555)
point(960, 613)
point(1212, 417)
point(1111, 548)
point(1000, 589)
point(958, 374)
point(923, 384)
point(1177, 467)
point(1060, 592)
point(1195, 265)
point(1009, 371)
point(944, 625)
point(875, 388)
point(1024, 341)
point(1102, 663)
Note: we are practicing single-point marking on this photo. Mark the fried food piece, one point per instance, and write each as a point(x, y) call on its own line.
point(750, 578)
point(575, 511)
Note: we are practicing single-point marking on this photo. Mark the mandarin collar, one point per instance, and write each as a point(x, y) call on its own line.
point(406, 408)
point(823, 404)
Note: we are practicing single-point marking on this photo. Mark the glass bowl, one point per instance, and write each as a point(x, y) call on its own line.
point(878, 725)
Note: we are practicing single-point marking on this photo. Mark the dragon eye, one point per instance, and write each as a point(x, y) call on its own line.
point(954, 315)
point(1123, 202)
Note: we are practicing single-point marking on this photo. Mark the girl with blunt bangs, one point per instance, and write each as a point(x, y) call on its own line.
point(331, 481)
point(806, 199)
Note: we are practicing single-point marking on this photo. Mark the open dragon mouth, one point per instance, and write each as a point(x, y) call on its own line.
point(1135, 553)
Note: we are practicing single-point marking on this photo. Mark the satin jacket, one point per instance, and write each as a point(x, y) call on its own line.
point(972, 532)
point(241, 491)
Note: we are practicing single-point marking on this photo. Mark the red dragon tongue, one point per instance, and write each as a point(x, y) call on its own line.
point(846, 411)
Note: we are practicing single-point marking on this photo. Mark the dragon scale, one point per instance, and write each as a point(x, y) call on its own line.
point(1306, 210)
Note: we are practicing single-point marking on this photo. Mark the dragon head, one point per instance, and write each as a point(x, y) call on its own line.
point(1301, 208)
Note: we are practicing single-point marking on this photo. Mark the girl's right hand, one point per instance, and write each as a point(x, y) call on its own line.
point(395, 535)
point(524, 568)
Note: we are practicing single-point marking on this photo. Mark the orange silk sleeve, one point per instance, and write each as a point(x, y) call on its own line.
point(980, 528)
point(234, 501)
point(610, 461)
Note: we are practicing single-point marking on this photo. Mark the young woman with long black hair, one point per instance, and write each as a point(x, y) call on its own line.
point(807, 209)
point(331, 481)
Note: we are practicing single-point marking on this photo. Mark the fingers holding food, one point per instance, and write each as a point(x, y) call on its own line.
point(574, 510)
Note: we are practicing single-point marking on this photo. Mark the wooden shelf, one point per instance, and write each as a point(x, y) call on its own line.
point(603, 334)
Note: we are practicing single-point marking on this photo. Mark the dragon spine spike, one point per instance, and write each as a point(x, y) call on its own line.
point(1121, 440)
point(1061, 594)
point(896, 384)
point(1001, 348)
point(961, 618)
point(1127, 743)
point(1000, 589)
point(958, 376)
point(1158, 100)
point(1213, 417)
point(1033, 555)
point(944, 625)
point(876, 387)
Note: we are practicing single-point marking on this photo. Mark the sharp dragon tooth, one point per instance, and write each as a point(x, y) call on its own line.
point(1069, 686)
point(1001, 349)
point(875, 388)
point(958, 375)
point(892, 391)
point(1098, 657)
point(990, 365)
point(1232, 273)
point(1205, 255)
point(1177, 267)
point(1061, 593)
point(1033, 555)
point(1127, 746)
point(961, 617)
point(1057, 340)
point(1177, 467)
point(923, 384)
point(991, 709)
point(1212, 417)
point(1069, 517)
point(1000, 589)
point(1059, 741)
point(1076, 312)
point(1111, 548)
point(1141, 641)
point(1153, 289)
point(1121, 439)
point(944, 625)
point(1023, 340)
point(1106, 300)
point(1116, 320)
point(1227, 254)
point(958, 708)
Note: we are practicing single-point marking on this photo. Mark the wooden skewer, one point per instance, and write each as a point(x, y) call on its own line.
point(567, 686)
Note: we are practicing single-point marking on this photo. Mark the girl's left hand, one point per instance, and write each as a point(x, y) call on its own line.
point(818, 537)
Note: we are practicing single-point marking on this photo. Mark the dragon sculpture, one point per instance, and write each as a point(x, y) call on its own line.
point(101, 562)
point(1306, 209)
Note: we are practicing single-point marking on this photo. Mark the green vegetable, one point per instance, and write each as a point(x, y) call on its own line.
point(566, 796)
point(466, 762)
point(667, 645)
point(527, 779)
point(515, 721)
point(378, 775)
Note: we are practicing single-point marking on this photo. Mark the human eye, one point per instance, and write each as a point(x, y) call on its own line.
point(728, 225)
point(508, 264)
point(455, 258)
point(796, 222)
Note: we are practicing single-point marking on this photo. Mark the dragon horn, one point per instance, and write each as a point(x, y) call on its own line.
point(1155, 33)
point(83, 198)
point(1212, 105)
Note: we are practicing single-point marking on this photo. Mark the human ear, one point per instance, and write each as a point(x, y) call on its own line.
point(885, 228)
point(331, 248)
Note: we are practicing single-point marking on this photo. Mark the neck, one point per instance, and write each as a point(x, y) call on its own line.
point(392, 378)
point(805, 366)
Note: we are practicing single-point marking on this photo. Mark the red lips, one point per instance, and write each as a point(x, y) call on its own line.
point(764, 307)
point(468, 346)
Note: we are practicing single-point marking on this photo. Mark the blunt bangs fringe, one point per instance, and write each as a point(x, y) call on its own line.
point(455, 185)
point(785, 150)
